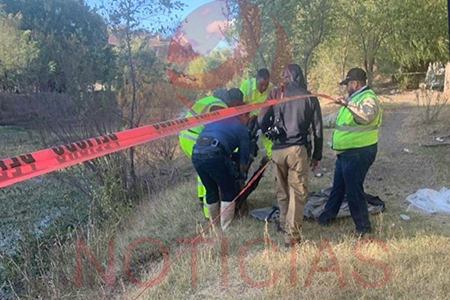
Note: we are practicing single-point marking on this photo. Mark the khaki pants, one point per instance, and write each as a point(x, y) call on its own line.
point(292, 187)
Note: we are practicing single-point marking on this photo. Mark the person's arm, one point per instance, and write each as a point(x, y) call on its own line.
point(244, 147)
point(265, 115)
point(317, 128)
point(329, 121)
point(363, 112)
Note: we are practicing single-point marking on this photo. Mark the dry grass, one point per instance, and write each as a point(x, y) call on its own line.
point(417, 257)
point(417, 253)
point(416, 129)
point(431, 105)
point(417, 265)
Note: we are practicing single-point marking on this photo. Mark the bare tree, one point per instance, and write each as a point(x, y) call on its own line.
point(126, 17)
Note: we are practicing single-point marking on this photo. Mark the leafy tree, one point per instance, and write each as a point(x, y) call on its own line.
point(371, 23)
point(73, 43)
point(420, 35)
point(306, 23)
point(310, 28)
point(265, 54)
point(16, 51)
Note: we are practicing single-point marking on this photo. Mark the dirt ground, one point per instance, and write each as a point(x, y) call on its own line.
point(402, 166)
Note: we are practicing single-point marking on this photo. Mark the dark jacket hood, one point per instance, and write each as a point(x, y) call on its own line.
point(296, 76)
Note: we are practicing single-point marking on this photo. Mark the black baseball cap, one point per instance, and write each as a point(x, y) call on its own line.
point(356, 74)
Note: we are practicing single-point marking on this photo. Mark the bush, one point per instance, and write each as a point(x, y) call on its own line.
point(430, 104)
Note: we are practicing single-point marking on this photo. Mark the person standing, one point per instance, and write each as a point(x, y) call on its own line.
point(188, 137)
point(211, 157)
point(255, 90)
point(288, 124)
point(355, 137)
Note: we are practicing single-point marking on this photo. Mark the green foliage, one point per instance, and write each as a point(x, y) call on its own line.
point(421, 34)
point(72, 41)
point(307, 23)
point(381, 36)
point(329, 65)
point(207, 63)
point(147, 66)
point(128, 15)
point(16, 51)
point(312, 24)
point(113, 199)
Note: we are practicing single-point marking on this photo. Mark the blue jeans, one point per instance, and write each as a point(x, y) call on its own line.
point(216, 171)
point(349, 175)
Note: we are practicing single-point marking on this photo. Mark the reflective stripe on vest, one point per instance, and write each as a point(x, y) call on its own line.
point(355, 128)
point(201, 106)
point(348, 134)
point(204, 105)
point(214, 103)
point(250, 87)
point(183, 134)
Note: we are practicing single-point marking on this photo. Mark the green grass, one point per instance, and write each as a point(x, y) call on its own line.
point(34, 211)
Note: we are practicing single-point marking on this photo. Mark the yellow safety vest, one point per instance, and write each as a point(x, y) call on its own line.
point(252, 95)
point(348, 134)
point(188, 137)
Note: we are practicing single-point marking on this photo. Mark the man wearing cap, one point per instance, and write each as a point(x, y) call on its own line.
point(211, 157)
point(255, 90)
point(187, 138)
point(355, 137)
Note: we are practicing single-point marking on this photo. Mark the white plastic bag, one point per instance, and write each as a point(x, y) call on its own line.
point(430, 201)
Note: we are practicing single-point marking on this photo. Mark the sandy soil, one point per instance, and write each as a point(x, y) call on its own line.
point(402, 166)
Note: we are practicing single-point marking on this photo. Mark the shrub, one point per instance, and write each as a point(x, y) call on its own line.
point(430, 104)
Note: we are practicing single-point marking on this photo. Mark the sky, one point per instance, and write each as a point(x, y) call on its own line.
point(202, 28)
point(191, 5)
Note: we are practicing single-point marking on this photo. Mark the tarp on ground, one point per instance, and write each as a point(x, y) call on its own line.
point(315, 205)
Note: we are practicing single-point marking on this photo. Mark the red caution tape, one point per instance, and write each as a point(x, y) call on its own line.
point(19, 168)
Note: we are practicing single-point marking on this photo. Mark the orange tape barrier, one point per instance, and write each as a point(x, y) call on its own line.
point(19, 168)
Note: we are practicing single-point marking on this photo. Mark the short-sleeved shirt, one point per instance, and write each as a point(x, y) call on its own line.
point(231, 134)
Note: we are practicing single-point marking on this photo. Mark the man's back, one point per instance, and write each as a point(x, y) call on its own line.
point(231, 134)
point(297, 117)
point(290, 122)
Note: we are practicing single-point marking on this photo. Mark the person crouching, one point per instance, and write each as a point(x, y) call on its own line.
point(211, 157)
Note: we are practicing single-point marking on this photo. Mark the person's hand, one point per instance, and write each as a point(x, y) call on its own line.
point(341, 101)
point(314, 164)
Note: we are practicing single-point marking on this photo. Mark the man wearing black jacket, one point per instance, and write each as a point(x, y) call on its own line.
point(288, 124)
